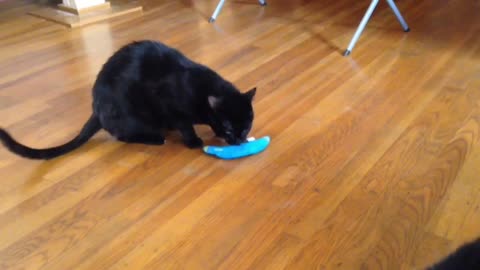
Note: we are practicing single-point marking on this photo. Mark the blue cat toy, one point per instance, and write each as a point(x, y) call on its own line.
point(251, 147)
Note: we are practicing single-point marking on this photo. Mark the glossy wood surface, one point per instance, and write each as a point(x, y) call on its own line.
point(374, 160)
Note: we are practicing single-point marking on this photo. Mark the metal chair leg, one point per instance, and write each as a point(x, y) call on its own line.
point(366, 18)
point(217, 11)
point(399, 16)
point(361, 27)
point(220, 6)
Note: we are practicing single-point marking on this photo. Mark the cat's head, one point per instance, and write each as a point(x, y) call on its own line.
point(233, 115)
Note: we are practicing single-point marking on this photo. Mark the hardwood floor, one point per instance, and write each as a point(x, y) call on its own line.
point(373, 162)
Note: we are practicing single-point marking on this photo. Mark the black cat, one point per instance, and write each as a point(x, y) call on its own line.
point(146, 88)
point(466, 257)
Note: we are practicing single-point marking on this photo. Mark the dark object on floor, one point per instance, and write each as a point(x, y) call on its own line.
point(466, 257)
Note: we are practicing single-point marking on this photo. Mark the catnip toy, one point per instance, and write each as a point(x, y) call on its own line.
point(251, 147)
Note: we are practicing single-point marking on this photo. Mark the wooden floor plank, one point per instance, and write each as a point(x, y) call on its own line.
point(373, 162)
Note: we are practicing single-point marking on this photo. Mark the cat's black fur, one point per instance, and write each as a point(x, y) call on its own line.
point(466, 257)
point(146, 88)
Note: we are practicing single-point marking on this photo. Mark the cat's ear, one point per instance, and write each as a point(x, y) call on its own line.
point(251, 93)
point(214, 102)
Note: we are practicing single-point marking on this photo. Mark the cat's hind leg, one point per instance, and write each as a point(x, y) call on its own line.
point(131, 130)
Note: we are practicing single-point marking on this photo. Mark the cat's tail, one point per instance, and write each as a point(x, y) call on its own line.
point(89, 129)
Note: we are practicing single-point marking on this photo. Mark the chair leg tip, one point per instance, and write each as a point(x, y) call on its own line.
point(407, 30)
point(347, 53)
point(211, 20)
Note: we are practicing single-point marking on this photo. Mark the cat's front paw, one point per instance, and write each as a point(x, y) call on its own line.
point(194, 143)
